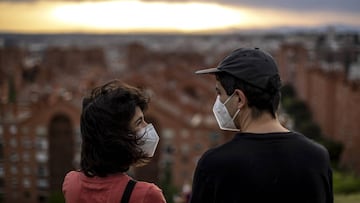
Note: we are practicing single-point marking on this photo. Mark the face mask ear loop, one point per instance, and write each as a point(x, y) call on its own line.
point(228, 99)
point(236, 113)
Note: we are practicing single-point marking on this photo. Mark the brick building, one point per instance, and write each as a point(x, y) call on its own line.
point(38, 150)
point(41, 105)
point(39, 131)
point(332, 97)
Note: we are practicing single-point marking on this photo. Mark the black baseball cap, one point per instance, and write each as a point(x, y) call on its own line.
point(251, 65)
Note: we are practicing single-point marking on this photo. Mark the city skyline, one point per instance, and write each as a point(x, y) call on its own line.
point(180, 16)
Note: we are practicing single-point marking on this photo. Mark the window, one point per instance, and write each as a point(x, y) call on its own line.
point(198, 147)
point(185, 149)
point(214, 137)
point(41, 157)
point(13, 142)
point(26, 170)
point(13, 129)
point(27, 194)
point(1, 151)
point(41, 144)
point(2, 173)
point(26, 142)
point(2, 182)
point(42, 183)
point(14, 183)
point(77, 158)
point(42, 171)
point(26, 183)
point(77, 136)
point(14, 194)
point(26, 156)
point(185, 159)
point(25, 130)
point(168, 133)
point(184, 174)
point(169, 149)
point(14, 157)
point(40, 131)
point(184, 133)
point(13, 169)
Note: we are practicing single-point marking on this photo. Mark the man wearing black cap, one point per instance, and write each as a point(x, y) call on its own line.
point(264, 162)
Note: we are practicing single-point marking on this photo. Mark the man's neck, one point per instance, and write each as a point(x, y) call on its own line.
point(264, 124)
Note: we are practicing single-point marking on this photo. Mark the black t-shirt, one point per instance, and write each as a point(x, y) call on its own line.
point(272, 167)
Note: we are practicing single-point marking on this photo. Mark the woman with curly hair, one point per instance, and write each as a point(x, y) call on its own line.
point(115, 136)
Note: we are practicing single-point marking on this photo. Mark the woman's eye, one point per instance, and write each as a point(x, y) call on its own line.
point(139, 121)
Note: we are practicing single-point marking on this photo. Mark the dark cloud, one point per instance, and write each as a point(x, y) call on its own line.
point(352, 6)
point(303, 5)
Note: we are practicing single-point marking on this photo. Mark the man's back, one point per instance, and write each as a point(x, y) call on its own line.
point(271, 167)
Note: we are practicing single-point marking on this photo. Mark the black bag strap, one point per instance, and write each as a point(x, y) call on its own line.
point(127, 193)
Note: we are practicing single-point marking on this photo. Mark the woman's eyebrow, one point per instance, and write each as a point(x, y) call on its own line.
point(139, 120)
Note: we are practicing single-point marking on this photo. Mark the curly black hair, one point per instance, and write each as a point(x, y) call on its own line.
point(108, 144)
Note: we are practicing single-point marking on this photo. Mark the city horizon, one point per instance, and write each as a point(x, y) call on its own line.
point(339, 28)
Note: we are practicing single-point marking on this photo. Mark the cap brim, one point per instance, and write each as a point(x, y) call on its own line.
point(206, 71)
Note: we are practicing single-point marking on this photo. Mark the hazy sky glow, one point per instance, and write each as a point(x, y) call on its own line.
point(148, 16)
point(161, 16)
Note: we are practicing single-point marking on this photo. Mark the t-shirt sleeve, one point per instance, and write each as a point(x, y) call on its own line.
point(154, 195)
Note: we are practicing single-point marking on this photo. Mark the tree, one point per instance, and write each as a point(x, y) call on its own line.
point(166, 185)
point(12, 90)
point(56, 197)
point(303, 123)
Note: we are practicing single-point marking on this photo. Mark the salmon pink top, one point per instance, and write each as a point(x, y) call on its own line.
point(78, 188)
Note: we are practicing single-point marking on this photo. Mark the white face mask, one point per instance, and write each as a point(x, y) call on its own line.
point(222, 115)
point(150, 138)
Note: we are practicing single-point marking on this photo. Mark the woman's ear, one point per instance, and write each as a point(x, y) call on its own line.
point(242, 98)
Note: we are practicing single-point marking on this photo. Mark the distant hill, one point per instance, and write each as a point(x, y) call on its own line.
point(302, 29)
point(260, 31)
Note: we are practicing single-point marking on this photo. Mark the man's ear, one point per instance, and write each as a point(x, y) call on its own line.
point(242, 98)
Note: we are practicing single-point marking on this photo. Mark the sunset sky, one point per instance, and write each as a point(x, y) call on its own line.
point(179, 16)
